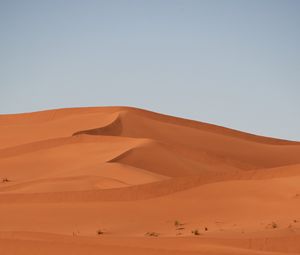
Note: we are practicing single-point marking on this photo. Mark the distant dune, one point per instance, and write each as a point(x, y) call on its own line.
point(121, 180)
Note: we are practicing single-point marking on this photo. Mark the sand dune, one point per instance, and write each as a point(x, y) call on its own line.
point(131, 173)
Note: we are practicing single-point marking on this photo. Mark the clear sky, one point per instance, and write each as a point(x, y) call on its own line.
point(232, 63)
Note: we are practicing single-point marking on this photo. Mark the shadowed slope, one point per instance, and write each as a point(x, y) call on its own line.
point(190, 140)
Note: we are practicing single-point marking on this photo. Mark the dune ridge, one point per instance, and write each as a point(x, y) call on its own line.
point(129, 172)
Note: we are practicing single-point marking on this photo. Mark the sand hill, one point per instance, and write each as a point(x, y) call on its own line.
point(120, 180)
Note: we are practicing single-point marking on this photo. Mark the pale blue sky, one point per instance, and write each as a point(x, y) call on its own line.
point(232, 63)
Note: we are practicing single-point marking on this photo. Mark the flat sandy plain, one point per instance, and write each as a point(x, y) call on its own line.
point(120, 180)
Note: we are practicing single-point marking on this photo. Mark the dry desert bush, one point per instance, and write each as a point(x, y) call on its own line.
point(100, 232)
point(196, 232)
point(152, 234)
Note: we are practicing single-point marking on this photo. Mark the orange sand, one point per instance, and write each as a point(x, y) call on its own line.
point(65, 174)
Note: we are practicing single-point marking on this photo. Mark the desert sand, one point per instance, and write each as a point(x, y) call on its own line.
point(121, 180)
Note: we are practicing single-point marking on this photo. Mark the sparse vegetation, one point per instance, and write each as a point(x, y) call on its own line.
point(177, 224)
point(206, 229)
point(274, 225)
point(152, 234)
point(178, 227)
point(100, 232)
point(196, 232)
point(5, 180)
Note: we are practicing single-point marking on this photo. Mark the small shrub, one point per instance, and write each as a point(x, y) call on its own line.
point(176, 223)
point(206, 229)
point(274, 225)
point(5, 180)
point(152, 234)
point(196, 232)
point(100, 232)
